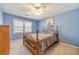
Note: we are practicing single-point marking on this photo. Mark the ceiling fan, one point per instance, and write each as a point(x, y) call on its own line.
point(38, 8)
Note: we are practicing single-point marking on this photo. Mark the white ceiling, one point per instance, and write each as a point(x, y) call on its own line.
point(23, 9)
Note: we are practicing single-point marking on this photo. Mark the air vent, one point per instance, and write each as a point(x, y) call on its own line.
point(26, 15)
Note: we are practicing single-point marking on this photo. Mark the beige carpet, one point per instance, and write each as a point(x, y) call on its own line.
point(62, 49)
point(17, 48)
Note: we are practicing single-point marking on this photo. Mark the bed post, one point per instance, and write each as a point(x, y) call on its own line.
point(37, 48)
point(23, 31)
point(57, 33)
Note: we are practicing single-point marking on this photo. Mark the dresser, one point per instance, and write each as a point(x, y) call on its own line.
point(4, 40)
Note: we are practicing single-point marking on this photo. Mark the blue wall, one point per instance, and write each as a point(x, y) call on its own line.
point(68, 23)
point(34, 26)
point(1, 17)
point(41, 24)
point(8, 20)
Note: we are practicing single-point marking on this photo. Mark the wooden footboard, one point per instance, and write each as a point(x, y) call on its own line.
point(30, 44)
point(30, 48)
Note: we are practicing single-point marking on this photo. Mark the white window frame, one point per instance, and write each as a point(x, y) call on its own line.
point(17, 23)
point(23, 23)
point(28, 26)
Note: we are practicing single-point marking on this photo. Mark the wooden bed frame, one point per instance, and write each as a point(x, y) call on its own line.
point(34, 46)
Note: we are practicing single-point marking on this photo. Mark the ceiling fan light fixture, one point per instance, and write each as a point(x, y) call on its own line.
point(38, 9)
point(37, 12)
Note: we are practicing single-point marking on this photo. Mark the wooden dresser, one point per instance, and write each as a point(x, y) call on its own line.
point(4, 40)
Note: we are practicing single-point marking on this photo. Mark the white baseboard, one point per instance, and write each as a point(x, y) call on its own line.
point(68, 45)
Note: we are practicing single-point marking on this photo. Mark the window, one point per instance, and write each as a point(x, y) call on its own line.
point(28, 26)
point(17, 26)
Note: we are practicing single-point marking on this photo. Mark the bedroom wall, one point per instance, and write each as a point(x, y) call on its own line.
point(34, 26)
point(1, 17)
point(41, 24)
point(8, 20)
point(68, 23)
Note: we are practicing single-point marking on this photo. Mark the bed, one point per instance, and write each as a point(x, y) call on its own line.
point(37, 42)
